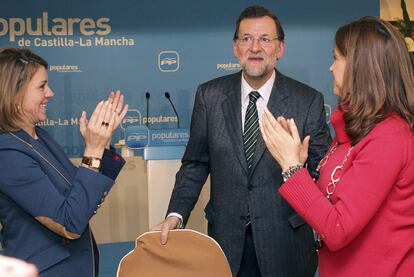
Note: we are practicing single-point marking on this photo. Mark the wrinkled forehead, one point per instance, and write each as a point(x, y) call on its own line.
point(258, 26)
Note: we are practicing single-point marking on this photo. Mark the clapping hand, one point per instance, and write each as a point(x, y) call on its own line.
point(117, 101)
point(106, 117)
point(282, 139)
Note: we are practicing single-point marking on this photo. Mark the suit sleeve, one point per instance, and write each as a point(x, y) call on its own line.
point(195, 163)
point(29, 186)
point(320, 137)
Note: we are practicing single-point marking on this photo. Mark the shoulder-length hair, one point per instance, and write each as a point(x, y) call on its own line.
point(378, 78)
point(17, 67)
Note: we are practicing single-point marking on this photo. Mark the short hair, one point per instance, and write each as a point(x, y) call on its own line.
point(378, 78)
point(256, 12)
point(17, 67)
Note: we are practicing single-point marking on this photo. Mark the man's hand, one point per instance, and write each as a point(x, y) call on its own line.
point(171, 222)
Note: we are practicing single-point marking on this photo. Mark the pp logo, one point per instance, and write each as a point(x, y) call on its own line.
point(137, 136)
point(132, 118)
point(168, 61)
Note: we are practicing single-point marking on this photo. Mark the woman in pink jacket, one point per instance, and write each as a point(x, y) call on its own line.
point(362, 206)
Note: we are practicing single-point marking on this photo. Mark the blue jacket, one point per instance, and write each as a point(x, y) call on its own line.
point(46, 203)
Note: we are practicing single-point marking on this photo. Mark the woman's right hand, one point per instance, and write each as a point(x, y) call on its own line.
point(97, 131)
point(282, 140)
point(303, 155)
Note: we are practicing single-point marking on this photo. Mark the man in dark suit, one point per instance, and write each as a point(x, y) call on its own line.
point(259, 232)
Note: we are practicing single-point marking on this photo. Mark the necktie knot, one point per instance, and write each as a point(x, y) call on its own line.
point(253, 96)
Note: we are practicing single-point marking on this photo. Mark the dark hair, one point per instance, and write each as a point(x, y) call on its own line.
point(17, 67)
point(378, 78)
point(255, 12)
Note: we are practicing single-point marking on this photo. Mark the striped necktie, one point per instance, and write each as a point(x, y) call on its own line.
point(251, 128)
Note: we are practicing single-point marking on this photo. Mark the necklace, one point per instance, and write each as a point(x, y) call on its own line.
point(331, 187)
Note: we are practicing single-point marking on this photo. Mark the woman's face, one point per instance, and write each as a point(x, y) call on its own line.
point(36, 94)
point(338, 68)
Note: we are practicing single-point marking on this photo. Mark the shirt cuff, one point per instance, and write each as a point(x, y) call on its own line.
point(181, 225)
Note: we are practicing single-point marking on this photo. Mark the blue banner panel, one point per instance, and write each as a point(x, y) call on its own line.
point(147, 48)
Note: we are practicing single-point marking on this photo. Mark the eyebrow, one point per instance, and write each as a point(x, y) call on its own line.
point(262, 35)
point(43, 82)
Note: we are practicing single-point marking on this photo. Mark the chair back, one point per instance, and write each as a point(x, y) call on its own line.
point(187, 253)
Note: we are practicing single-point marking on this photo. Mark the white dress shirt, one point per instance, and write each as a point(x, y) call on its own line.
point(261, 103)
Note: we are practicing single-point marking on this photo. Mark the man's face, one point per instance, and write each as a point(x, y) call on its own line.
point(257, 47)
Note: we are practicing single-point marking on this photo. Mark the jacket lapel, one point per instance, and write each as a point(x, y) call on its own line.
point(277, 105)
point(56, 154)
point(232, 116)
point(51, 153)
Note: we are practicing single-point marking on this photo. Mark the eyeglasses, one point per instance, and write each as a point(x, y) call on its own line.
point(246, 41)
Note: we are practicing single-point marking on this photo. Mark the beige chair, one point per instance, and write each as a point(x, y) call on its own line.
point(187, 254)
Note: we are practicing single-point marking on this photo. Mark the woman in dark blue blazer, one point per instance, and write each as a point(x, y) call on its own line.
point(45, 201)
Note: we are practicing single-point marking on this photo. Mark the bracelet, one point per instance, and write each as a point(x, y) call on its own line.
point(290, 171)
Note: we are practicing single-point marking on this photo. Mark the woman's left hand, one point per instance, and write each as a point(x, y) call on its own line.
point(282, 140)
point(117, 101)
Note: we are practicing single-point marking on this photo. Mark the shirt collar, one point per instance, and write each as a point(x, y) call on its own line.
point(264, 91)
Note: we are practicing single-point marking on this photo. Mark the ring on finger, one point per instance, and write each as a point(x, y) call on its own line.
point(106, 124)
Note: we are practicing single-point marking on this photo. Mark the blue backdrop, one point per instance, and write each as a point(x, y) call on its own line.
point(156, 46)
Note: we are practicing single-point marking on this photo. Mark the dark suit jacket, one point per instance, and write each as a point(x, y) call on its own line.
point(283, 242)
point(46, 203)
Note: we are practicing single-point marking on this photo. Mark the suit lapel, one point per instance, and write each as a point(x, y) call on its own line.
point(232, 116)
point(56, 154)
point(57, 159)
point(277, 105)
